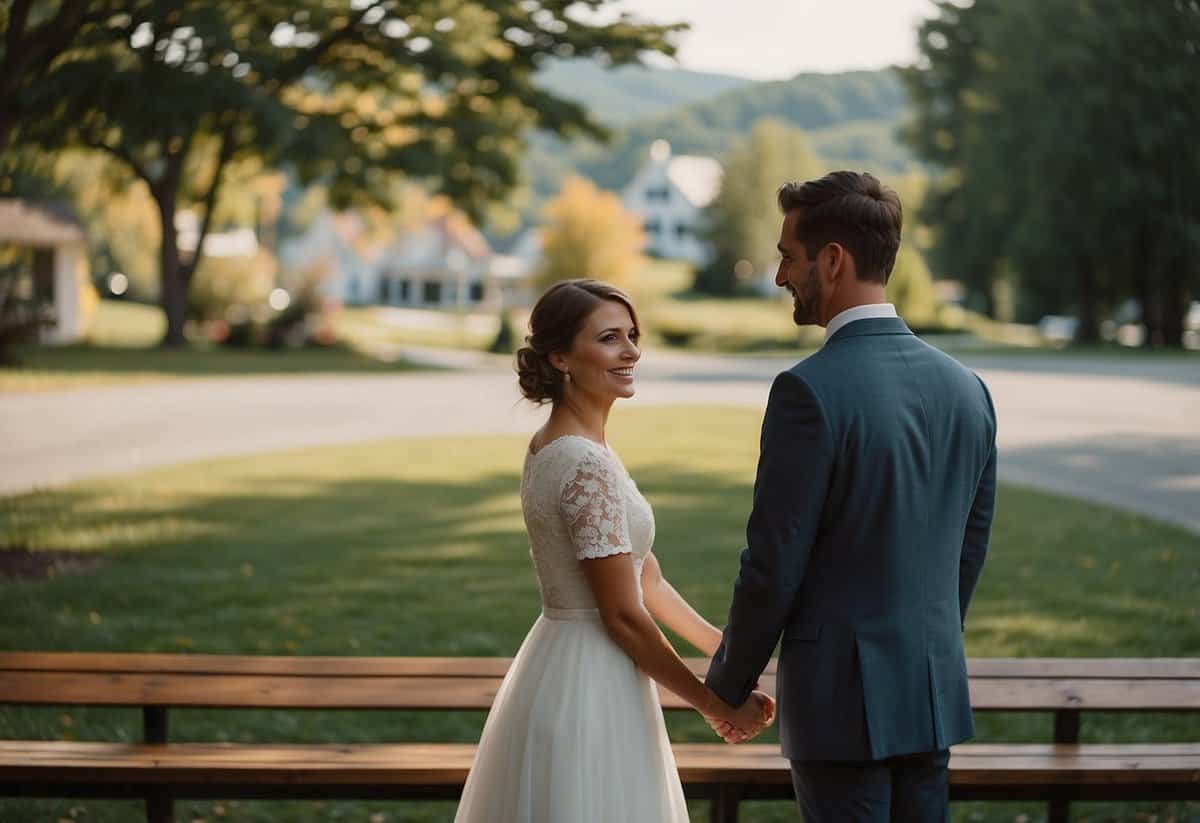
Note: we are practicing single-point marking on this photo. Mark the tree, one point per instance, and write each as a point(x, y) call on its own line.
point(589, 233)
point(910, 288)
point(1070, 160)
point(744, 220)
point(179, 90)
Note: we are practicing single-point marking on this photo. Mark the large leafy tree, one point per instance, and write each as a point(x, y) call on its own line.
point(1066, 129)
point(743, 220)
point(346, 93)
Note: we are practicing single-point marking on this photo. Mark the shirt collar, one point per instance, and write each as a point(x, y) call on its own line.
point(864, 312)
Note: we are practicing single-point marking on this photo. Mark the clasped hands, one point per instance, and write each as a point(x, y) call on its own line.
point(745, 722)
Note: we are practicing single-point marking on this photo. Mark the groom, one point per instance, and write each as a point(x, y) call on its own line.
point(872, 508)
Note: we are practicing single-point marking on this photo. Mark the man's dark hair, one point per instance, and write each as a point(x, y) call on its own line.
point(852, 209)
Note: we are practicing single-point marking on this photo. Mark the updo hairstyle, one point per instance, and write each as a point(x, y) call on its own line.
point(556, 320)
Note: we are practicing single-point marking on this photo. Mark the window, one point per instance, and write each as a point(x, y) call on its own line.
point(660, 194)
point(385, 288)
point(405, 290)
point(653, 227)
point(432, 292)
point(476, 292)
point(682, 231)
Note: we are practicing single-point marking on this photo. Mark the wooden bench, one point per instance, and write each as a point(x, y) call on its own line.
point(160, 771)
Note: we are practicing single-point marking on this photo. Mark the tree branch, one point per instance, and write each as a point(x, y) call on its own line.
point(41, 45)
point(125, 157)
point(224, 154)
point(294, 69)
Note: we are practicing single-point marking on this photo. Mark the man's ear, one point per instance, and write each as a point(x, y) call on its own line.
point(835, 260)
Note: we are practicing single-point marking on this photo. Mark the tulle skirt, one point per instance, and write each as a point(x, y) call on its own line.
point(575, 735)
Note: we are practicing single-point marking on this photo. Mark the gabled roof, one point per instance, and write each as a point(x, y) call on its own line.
point(698, 178)
point(40, 224)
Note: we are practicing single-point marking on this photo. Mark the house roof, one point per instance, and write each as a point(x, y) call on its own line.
point(698, 178)
point(40, 224)
point(427, 247)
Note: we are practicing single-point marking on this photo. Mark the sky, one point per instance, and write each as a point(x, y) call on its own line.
point(776, 39)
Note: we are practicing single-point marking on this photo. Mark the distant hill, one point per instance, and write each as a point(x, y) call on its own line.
point(851, 119)
point(625, 94)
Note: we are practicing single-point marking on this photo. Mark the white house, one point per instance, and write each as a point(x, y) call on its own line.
point(56, 273)
point(670, 193)
point(442, 264)
point(334, 248)
point(515, 273)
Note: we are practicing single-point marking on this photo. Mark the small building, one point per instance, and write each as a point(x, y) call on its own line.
point(670, 194)
point(444, 263)
point(335, 249)
point(48, 251)
point(515, 273)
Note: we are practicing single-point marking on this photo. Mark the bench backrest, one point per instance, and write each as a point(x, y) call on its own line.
point(231, 681)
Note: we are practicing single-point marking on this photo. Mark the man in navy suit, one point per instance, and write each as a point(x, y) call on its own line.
point(872, 509)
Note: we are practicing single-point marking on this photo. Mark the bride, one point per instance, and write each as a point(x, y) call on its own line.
point(576, 732)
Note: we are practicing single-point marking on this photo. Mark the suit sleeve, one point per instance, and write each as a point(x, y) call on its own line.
point(979, 522)
point(794, 467)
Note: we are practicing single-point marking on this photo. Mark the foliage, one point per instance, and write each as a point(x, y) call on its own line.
point(1070, 160)
point(589, 233)
point(744, 219)
point(910, 288)
point(505, 340)
point(851, 119)
point(179, 91)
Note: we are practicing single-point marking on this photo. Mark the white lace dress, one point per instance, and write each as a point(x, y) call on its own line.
point(576, 732)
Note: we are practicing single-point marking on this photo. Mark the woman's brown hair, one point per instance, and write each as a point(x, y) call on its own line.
point(557, 317)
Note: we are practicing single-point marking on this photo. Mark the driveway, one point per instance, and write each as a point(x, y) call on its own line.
point(1120, 430)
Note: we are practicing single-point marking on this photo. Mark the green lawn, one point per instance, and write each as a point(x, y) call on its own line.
point(416, 547)
point(121, 349)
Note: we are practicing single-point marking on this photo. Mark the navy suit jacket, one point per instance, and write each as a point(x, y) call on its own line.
point(872, 509)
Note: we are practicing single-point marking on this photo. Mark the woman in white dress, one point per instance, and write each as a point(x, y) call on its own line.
point(576, 732)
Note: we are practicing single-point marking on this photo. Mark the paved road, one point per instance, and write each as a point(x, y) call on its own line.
point(1115, 430)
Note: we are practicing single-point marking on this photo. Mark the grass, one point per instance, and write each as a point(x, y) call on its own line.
point(416, 547)
point(121, 350)
point(372, 328)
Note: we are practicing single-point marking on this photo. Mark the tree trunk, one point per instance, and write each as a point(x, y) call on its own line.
point(1176, 303)
point(1143, 275)
point(1089, 313)
point(174, 291)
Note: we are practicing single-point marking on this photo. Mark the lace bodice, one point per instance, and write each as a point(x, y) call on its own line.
point(580, 503)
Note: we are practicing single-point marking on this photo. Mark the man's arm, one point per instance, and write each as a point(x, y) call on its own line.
point(979, 525)
point(794, 466)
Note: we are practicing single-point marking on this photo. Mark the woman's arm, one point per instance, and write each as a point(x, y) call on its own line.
point(668, 607)
point(614, 584)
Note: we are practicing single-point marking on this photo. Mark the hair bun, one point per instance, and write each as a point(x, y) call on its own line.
point(536, 377)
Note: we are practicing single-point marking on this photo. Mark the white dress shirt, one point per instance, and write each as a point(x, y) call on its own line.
point(864, 312)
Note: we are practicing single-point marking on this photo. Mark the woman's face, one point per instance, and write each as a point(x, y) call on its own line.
point(604, 352)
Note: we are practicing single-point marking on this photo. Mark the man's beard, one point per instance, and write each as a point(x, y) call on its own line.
point(806, 302)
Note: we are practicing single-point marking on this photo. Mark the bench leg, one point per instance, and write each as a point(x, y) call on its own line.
point(725, 805)
point(1066, 730)
point(160, 810)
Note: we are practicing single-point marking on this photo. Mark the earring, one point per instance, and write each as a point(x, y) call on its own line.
point(566, 377)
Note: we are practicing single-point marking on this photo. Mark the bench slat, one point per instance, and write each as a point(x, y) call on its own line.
point(446, 764)
point(982, 667)
point(466, 693)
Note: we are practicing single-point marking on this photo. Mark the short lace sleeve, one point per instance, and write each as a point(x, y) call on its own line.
point(593, 508)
